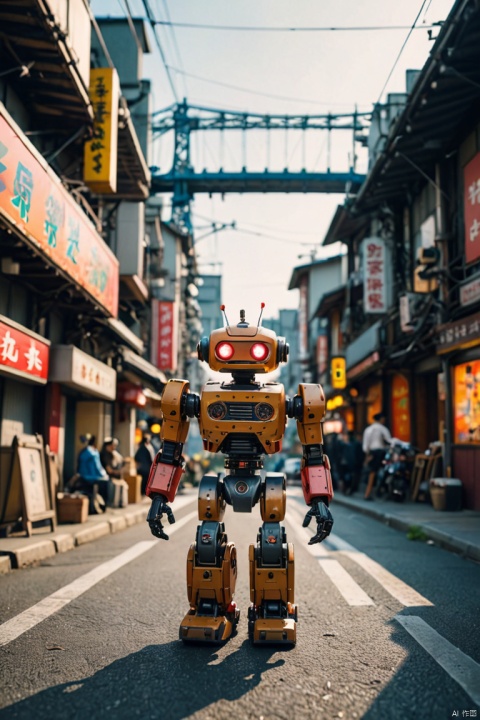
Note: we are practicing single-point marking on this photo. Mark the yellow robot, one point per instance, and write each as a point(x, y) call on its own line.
point(245, 420)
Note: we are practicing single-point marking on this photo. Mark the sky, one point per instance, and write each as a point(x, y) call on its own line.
point(267, 72)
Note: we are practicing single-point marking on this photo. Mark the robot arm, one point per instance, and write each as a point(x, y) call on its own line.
point(177, 405)
point(309, 411)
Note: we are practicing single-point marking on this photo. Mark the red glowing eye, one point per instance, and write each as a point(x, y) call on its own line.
point(259, 351)
point(224, 351)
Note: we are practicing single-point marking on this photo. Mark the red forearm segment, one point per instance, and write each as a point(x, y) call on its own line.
point(164, 480)
point(317, 481)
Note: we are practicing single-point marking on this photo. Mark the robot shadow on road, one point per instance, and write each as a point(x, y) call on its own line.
point(169, 681)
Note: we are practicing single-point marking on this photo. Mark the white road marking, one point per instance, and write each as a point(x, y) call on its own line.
point(460, 667)
point(345, 584)
point(391, 583)
point(26, 620)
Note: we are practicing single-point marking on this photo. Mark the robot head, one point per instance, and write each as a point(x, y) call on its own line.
point(243, 348)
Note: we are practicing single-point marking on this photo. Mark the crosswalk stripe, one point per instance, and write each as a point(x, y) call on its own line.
point(345, 584)
point(391, 583)
point(460, 667)
point(16, 626)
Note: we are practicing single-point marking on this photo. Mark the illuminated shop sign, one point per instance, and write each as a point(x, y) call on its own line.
point(37, 206)
point(400, 408)
point(22, 352)
point(100, 158)
point(75, 368)
point(467, 402)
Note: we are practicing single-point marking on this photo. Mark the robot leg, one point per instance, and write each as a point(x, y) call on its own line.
point(211, 573)
point(272, 616)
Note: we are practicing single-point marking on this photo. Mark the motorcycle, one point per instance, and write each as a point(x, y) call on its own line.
point(393, 479)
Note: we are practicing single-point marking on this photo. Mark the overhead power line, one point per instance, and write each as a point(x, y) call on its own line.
point(153, 22)
point(247, 90)
point(402, 49)
point(269, 28)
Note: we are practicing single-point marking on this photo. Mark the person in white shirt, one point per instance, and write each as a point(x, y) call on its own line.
point(376, 438)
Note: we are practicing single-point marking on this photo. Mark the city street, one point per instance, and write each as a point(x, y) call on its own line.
point(380, 634)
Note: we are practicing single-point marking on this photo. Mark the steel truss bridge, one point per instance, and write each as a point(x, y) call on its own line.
point(183, 181)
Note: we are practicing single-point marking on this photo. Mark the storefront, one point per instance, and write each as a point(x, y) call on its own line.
point(366, 387)
point(140, 385)
point(459, 346)
point(82, 393)
point(24, 363)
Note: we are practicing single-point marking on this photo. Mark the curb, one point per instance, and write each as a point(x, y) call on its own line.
point(26, 552)
point(443, 540)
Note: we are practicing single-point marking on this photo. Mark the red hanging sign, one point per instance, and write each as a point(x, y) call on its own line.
point(22, 352)
point(471, 206)
point(164, 341)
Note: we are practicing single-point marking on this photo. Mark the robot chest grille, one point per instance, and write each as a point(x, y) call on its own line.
point(240, 411)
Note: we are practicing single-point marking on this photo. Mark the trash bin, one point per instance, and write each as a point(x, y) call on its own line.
point(446, 494)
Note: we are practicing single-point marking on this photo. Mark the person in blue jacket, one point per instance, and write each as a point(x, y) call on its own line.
point(91, 470)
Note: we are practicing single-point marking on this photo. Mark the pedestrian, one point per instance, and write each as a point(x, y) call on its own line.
point(357, 459)
point(376, 438)
point(92, 473)
point(343, 462)
point(350, 461)
point(144, 458)
point(111, 460)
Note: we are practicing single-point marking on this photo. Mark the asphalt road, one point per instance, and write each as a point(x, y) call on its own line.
point(388, 629)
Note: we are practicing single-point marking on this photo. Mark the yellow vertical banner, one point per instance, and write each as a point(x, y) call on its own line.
point(100, 155)
point(338, 373)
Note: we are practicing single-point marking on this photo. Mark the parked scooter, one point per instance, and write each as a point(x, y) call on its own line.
point(393, 479)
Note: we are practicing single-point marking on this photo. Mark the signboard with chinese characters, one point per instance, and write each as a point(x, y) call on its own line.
point(164, 336)
point(303, 319)
point(471, 207)
point(22, 352)
point(374, 271)
point(100, 157)
point(462, 333)
point(75, 368)
point(470, 292)
point(322, 353)
point(36, 205)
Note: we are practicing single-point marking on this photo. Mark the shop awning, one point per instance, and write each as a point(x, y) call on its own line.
point(124, 332)
point(72, 367)
point(136, 366)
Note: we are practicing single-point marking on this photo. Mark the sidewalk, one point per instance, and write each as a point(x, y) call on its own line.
point(19, 551)
point(455, 531)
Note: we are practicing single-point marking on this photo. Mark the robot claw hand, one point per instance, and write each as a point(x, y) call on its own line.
point(158, 508)
point(324, 519)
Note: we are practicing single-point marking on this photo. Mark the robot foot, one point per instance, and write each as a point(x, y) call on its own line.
point(272, 623)
point(208, 624)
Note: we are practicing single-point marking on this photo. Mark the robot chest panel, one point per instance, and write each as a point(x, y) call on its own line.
point(258, 411)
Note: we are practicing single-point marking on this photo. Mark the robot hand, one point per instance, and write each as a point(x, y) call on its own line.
point(324, 519)
point(158, 508)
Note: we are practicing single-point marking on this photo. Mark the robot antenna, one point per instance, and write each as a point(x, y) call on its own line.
point(262, 305)
point(222, 308)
